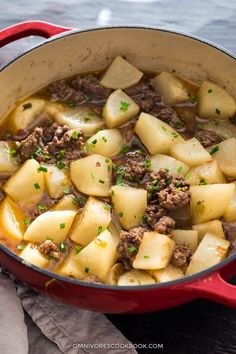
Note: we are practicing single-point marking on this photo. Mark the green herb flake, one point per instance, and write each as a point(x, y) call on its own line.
point(100, 229)
point(36, 186)
point(124, 149)
point(218, 111)
point(13, 152)
point(71, 104)
point(179, 189)
point(202, 181)
point(101, 243)
point(188, 176)
point(60, 165)
point(104, 139)
point(192, 98)
point(86, 269)
point(79, 201)
point(27, 106)
point(214, 149)
point(42, 207)
point(94, 142)
point(146, 257)
point(132, 249)
point(92, 175)
point(63, 247)
point(164, 128)
point(49, 238)
point(78, 249)
point(62, 226)
point(124, 106)
point(42, 169)
point(148, 163)
point(26, 221)
point(101, 181)
point(210, 90)
point(107, 207)
point(121, 214)
point(66, 190)
point(112, 193)
point(175, 135)
point(86, 149)
point(75, 135)
point(179, 169)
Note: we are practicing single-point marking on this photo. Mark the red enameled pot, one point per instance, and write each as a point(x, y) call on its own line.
point(68, 52)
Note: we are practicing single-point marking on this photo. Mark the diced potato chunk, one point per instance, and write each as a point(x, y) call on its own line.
point(66, 203)
point(226, 157)
point(114, 273)
point(82, 117)
point(157, 136)
point(52, 108)
point(12, 219)
point(121, 74)
point(56, 181)
point(27, 185)
point(130, 205)
point(99, 255)
point(225, 129)
point(215, 102)
point(92, 175)
point(175, 167)
point(105, 142)
point(135, 277)
point(169, 273)
point(210, 201)
point(208, 173)
point(119, 109)
point(70, 267)
point(31, 255)
point(95, 218)
point(53, 225)
point(213, 227)
point(172, 89)
point(155, 251)
point(191, 152)
point(7, 163)
point(211, 250)
point(230, 212)
point(188, 237)
point(26, 113)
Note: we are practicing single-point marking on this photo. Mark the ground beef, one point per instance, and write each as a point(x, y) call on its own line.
point(45, 143)
point(134, 170)
point(91, 86)
point(155, 182)
point(230, 234)
point(47, 204)
point(181, 255)
point(207, 137)
point(170, 116)
point(61, 91)
point(165, 225)
point(176, 195)
point(154, 213)
point(49, 248)
point(129, 244)
point(145, 97)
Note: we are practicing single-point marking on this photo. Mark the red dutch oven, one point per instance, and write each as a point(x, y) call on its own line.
point(68, 52)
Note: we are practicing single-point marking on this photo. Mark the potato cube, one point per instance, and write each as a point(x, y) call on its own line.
point(213, 227)
point(54, 225)
point(135, 277)
point(172, 89)
point(98, 256)
point(94, 218)
point(119, 109)
point(56, 181)
point(114, 273)
point(121, 74)
point(230, 212)
point(210, 201)
point(12, 219)
point(30, 254)
point(191, 152)
point(70, 267)
point(188, 237)
point(82, 117)
point(26, 113)
point(169, 273)
point(155, 251)
point(8, 164)
point(105, 142)
point(27, 185)
point(175, 167)
point(214, 102)
point(52, 108)
point(130, 205)
point(211, 250)
point(157, 136)
point(66, 203)
point(208, 173)
point(224, 153)
point(92, 175)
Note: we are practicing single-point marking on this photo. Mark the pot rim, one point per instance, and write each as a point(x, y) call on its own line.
point(185, 279)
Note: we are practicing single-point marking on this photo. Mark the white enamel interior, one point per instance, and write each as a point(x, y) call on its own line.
point(150, 49)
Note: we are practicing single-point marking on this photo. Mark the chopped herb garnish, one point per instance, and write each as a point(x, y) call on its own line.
point(36, 186)
point(66, 190)
point(124, 106)
point(214, 150)
point(147, 163)
point(60, 165)
point(79, 201)
point(71, 104)
point(75, 134)
point(100, 230)
point(124, 149)
point(42, 207)
point(179, 169)
point(107, 207)
point(210, 90)
point(104, 139)
point(49, 238)
point(26, 221)
point(27, 106)
point(78, 249)
point(40, 152)
point(86, 149)
point(169, 181)
point(92, 175)
point(192, 98)
point(112, 193)
point(121, 214)
point(179, 189)
point(94, 142)
point(120, 174)
point(146, 257)
point(164, 128)
point(101, 181)
point(13, 152)
point(188, 176)
point(132, 249)
point(42, 169)
point(86, 269)
point(62, 226)
point(63, 247)
point(218, 111)
point(101, 243)
point(175, 135)
point(202, 181)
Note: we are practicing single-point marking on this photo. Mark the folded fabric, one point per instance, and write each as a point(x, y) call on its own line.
point(53, 328)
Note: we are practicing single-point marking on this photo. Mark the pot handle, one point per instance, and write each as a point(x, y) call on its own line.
point(215, 288)
point(30, 28)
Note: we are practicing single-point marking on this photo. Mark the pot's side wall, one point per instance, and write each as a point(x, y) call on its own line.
point(80, 52)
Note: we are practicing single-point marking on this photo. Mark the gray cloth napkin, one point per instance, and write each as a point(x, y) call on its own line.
point(49, 327)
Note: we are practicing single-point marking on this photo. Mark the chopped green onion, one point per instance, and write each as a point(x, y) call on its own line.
point(104, 139)
point(27, 106)
point(146, 257)
point(60, 165)
point(121, 214)
point(86, 269)
point(101, 181)
point(101, 243)
point(94, 142)
point(71, 104)
point(36, 186)
point(62, 226)
point(210, 90)
point(107, 207)
point(60, 154)
point(79, 200)
point(124, 106)
point(75, 134)
point(179, 169)
point(164, 128)
point(42, 169)
point(78, 249)
point(214, 150)
point(124, 149)
point(13, 152)
point(63, 247)
point(132, 249)
point(147, 163)
point(21, 246)
point(175, 135)
point(100, 230)
point(49, 238)
point(42, 207)
point(26, 221)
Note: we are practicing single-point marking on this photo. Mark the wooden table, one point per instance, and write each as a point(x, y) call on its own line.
point(201, 326)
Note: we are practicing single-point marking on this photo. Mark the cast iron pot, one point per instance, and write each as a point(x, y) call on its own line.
point(68, 52)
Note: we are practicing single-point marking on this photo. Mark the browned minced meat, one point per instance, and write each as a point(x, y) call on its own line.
point(145, 97)
point(155, 182)
point(207, 137)
point(129, 244)
point(61, 91)
point(92, 279)
point(47, 142)
point(154, 213)
point(165, 225)
point(49, 248)
point(47, 204)
point(134, 170)
point(181, 255)
point(230, 234)
point(170, 116)
point(176, 195)
point(90, 85)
